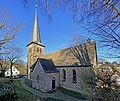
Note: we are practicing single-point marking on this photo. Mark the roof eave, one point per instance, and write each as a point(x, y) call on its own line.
point(36, 43)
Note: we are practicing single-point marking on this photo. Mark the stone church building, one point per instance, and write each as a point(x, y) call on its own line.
point(60, 68)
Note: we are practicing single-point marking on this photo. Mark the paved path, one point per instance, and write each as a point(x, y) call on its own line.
point(57, 95)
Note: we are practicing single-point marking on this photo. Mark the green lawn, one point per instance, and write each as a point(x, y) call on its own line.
point(21, 93)
point(73, 94)
point(24, 95)
point(69, 93)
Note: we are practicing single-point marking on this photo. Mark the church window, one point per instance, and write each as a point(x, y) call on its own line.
point(74, 76)
point(64, 75)
point(53, 82)
point(40, 50)
point(37, 49)
point(37, 78)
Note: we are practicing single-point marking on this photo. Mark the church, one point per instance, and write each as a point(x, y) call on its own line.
point(60, 68)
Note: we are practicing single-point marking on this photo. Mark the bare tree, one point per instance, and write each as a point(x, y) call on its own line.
point(101, 18)
point(81, 52)
point(13, 54)
point(79, 49)
point(3, 66)
point(106, 87)
point(105, 10)
point(8, 29)
point(45, 6)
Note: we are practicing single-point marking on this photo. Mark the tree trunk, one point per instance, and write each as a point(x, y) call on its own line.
point(11, 64)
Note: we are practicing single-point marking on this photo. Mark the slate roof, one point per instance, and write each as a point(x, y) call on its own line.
point(47, 65)
point(36, 31)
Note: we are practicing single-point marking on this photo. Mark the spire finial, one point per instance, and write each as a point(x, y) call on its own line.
point(36, 32)
point(36, 9)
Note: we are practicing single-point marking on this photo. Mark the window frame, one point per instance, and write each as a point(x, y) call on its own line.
point(37, 78)
point(40, 50)
point(63, 75)
point(74, 76)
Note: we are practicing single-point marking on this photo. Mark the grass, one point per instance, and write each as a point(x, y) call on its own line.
point(51, 91)
point(4, 79)
point(73, 94)
point(21, 93)
point(69, 93)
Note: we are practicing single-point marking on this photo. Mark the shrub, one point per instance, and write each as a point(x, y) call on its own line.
point(6, 93)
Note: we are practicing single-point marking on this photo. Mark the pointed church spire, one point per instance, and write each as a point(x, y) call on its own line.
point(36, 31)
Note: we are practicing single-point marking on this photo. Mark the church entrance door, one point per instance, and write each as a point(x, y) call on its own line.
point(53, 82)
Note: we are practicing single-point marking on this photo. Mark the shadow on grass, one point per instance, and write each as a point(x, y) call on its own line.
point(69, 93)
point(49, 99)
point(73, 94)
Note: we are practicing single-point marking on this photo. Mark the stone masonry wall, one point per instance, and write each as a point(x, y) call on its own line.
point(80, 85)
point(45, 79)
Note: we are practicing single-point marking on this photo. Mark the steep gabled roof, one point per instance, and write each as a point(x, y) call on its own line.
point(36, 31)
point(47, 65)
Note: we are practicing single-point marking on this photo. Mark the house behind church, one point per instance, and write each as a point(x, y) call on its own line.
point(15, 72)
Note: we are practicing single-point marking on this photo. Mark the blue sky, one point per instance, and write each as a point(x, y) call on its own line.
point(55, 34)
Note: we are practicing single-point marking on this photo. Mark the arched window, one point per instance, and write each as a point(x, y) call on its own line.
point(53, 82)
point(37, 78)
point(74, 76)
point(40, 50)
point(37, 49)
point(64, 75)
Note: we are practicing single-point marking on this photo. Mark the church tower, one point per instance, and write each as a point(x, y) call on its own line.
point(35, 49)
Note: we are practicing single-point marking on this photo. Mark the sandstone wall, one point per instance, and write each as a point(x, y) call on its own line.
point(34, 51)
